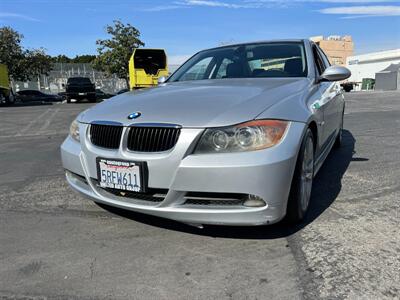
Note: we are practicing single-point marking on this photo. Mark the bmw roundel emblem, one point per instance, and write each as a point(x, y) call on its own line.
point(134, 115)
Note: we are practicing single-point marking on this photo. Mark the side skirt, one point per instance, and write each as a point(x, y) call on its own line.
point(324, 154)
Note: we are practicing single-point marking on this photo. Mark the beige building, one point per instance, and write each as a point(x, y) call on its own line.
point(337, 48)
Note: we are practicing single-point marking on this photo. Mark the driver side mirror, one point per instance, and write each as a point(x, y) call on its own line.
point(335, 73)
point(162, 80)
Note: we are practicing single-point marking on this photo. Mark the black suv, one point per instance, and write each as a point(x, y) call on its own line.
point(80, 88)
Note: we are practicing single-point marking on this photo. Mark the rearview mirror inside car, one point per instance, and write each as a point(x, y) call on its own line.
point(335, 73)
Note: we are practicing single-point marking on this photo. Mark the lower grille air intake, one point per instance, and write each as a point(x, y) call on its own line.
point(214, 199)
point(152, 195)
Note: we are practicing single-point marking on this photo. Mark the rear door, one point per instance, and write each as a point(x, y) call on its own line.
point(36, 96)
point(24, 96)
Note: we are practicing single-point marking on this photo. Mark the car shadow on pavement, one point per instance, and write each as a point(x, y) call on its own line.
point(327, 185)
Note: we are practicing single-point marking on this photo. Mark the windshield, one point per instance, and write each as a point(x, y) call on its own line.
point(245, 61)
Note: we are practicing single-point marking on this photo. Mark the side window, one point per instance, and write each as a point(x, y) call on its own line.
point(324, 57)
point(222, 68)
point(200, 70)
point(318, 61)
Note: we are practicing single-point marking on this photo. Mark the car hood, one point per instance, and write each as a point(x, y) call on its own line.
point(202, 103)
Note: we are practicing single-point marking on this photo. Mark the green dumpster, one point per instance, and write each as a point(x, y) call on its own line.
point(368, 84)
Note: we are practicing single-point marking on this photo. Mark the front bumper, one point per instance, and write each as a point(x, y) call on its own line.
point(265, 173)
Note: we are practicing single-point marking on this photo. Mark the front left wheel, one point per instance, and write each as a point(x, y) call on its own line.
point(300, 191)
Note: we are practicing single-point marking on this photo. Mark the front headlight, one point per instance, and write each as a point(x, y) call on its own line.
point(74, 130)
point(249, 136)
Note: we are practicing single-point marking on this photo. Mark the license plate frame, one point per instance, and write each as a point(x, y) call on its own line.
point(143, 173)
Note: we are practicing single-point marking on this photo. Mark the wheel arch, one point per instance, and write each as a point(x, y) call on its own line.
point(314, 129)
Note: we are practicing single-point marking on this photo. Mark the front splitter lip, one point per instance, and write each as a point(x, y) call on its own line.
point(230, 217)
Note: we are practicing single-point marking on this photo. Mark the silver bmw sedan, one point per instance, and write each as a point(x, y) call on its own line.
point(234, 137)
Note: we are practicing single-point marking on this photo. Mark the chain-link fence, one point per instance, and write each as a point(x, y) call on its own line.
point(58, 76)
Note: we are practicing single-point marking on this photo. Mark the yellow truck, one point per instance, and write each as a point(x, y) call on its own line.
point(6, 93)
point(146, 66)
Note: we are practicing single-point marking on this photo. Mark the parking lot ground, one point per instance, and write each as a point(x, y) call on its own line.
point(55, 244)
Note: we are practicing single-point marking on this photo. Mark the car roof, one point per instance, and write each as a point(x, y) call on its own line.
point(258, 42)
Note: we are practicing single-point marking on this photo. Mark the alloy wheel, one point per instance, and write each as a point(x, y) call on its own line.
point(307, 174)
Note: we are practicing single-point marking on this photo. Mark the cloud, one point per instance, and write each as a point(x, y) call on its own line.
point(355, 1)
point(213, 4)
point(162, 7)
point(248, 4)
point(363, 11)
point(286, 2)
point(17, 16)
point(319, 1)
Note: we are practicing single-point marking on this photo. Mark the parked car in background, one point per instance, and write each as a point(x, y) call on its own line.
point(235, 137)
point(37, 96)
point(80, 88)
point(100, 95)
point(63, 95)
point(6, 92)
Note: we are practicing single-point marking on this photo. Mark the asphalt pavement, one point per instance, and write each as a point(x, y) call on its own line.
point(55, 244)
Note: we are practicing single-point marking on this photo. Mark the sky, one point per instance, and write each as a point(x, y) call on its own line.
point(183, 27)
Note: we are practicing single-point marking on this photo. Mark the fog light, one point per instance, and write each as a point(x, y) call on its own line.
point(254, 201)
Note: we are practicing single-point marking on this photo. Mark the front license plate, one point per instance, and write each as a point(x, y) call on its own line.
point(121, 175)
point(81, 94)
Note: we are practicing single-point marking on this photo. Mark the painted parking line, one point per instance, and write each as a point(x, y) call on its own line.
point(32, 122)
point(48, 120)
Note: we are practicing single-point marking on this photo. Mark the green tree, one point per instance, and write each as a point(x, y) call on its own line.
point(22, 64)
point(114, 53)
point(11, 53)
point(84, 59)
point(78, 59)
point(37, 63)
point(61, 59)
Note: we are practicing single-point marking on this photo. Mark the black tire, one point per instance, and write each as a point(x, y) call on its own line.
point(295, 210)
point(92, 100)
point(347, 89)
point(68, 100)
point(10, 99)
point(339, 137)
